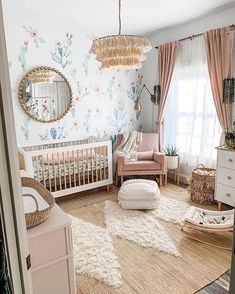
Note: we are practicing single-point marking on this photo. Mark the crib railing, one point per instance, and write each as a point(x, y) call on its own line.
point(57, 143)
point(68, 167)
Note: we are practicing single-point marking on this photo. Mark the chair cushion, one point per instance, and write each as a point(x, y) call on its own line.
point(149, 142)
point(141, 165)
point(139, 194)
point(145, 155)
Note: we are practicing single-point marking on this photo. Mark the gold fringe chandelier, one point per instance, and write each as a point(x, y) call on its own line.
point(120, 51)
point(41, 77)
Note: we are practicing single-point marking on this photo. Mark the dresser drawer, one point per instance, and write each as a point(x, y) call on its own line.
point(225, 194)
point(226, 159)
point(48, 247)
point(226, 176)
point(53, 279)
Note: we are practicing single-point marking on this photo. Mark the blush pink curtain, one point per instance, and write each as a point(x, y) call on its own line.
point(219, 44)
point(166, 61)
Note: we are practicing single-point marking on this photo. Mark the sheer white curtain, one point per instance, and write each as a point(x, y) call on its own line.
point(190, 119)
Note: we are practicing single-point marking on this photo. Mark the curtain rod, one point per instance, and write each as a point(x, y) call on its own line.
point(197, 35)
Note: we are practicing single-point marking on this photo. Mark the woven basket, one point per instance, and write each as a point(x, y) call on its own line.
point(37, 217)
point(202, 186)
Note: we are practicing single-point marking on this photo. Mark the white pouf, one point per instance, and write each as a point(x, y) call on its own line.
point(139, 194)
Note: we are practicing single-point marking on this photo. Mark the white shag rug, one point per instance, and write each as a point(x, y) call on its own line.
point(94, 253)
point(169, 210)
point(138, 227)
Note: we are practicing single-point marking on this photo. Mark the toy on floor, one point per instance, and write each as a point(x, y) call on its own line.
point(208, 221)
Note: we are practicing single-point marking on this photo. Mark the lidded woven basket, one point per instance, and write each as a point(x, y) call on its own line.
point(203, 185)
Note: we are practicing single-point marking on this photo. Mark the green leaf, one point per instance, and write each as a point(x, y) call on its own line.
point(137, 114)
point(171, 150)
point(42, 40)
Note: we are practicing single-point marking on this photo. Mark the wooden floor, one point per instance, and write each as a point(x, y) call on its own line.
point(145, 270)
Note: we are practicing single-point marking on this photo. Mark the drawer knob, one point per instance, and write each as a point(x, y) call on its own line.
point(230, 160)
point(229, 178)
point(228, 194)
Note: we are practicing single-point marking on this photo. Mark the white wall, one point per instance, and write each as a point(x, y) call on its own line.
point(103, 100)
point(223, 18)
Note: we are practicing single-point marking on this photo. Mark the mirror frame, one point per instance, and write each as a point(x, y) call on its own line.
point(21, 97)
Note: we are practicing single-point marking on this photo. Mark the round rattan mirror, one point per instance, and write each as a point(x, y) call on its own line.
point(45, 94)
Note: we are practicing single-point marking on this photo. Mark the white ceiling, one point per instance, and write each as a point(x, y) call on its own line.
point(100, 17)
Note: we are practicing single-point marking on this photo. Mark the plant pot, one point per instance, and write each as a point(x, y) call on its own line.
point(172, 162)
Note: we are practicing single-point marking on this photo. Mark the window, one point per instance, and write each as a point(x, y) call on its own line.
point(190, 120)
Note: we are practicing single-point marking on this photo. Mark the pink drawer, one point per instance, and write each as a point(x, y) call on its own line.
point(54, 279)
point(48, 247)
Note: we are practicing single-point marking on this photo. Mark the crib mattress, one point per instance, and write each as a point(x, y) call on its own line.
point(44, 172)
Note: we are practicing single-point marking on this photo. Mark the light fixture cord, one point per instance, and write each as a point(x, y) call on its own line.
point(120, 21)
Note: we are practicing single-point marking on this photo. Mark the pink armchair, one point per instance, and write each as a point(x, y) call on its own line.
point(149, 160)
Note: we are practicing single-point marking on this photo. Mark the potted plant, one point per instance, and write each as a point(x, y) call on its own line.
point(171, 153)
point(230, 140)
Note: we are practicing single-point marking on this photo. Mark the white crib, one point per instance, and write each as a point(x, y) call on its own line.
point(65, 167)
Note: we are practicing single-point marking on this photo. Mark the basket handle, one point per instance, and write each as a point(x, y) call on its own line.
point(200, 165)
point(35, 200)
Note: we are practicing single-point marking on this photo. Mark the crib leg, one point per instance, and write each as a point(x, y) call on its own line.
point(108, 188)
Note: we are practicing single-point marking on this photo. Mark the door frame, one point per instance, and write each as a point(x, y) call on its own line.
point(232, 275)
point(11, 203)
point(11, 200)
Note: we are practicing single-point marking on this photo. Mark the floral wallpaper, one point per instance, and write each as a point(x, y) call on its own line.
point(103, 100)
point(61, 54)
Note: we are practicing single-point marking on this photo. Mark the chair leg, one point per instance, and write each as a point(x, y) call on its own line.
point(157, 179)
point(160, 180)
point(116, 179)
point(178, 178)
point(174, 176)
point(121, 180)
point(165, 179)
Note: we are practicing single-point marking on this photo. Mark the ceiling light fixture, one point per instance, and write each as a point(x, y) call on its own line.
point(41, 77)
point(120, 51)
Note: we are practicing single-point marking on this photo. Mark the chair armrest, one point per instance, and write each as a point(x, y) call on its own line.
point(120, 163)
point(160, 157)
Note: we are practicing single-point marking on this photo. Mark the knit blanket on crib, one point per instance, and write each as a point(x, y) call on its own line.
point(130, 142)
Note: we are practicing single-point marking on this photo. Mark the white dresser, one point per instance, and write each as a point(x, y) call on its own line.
point(225, 177)
point(51, 253)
